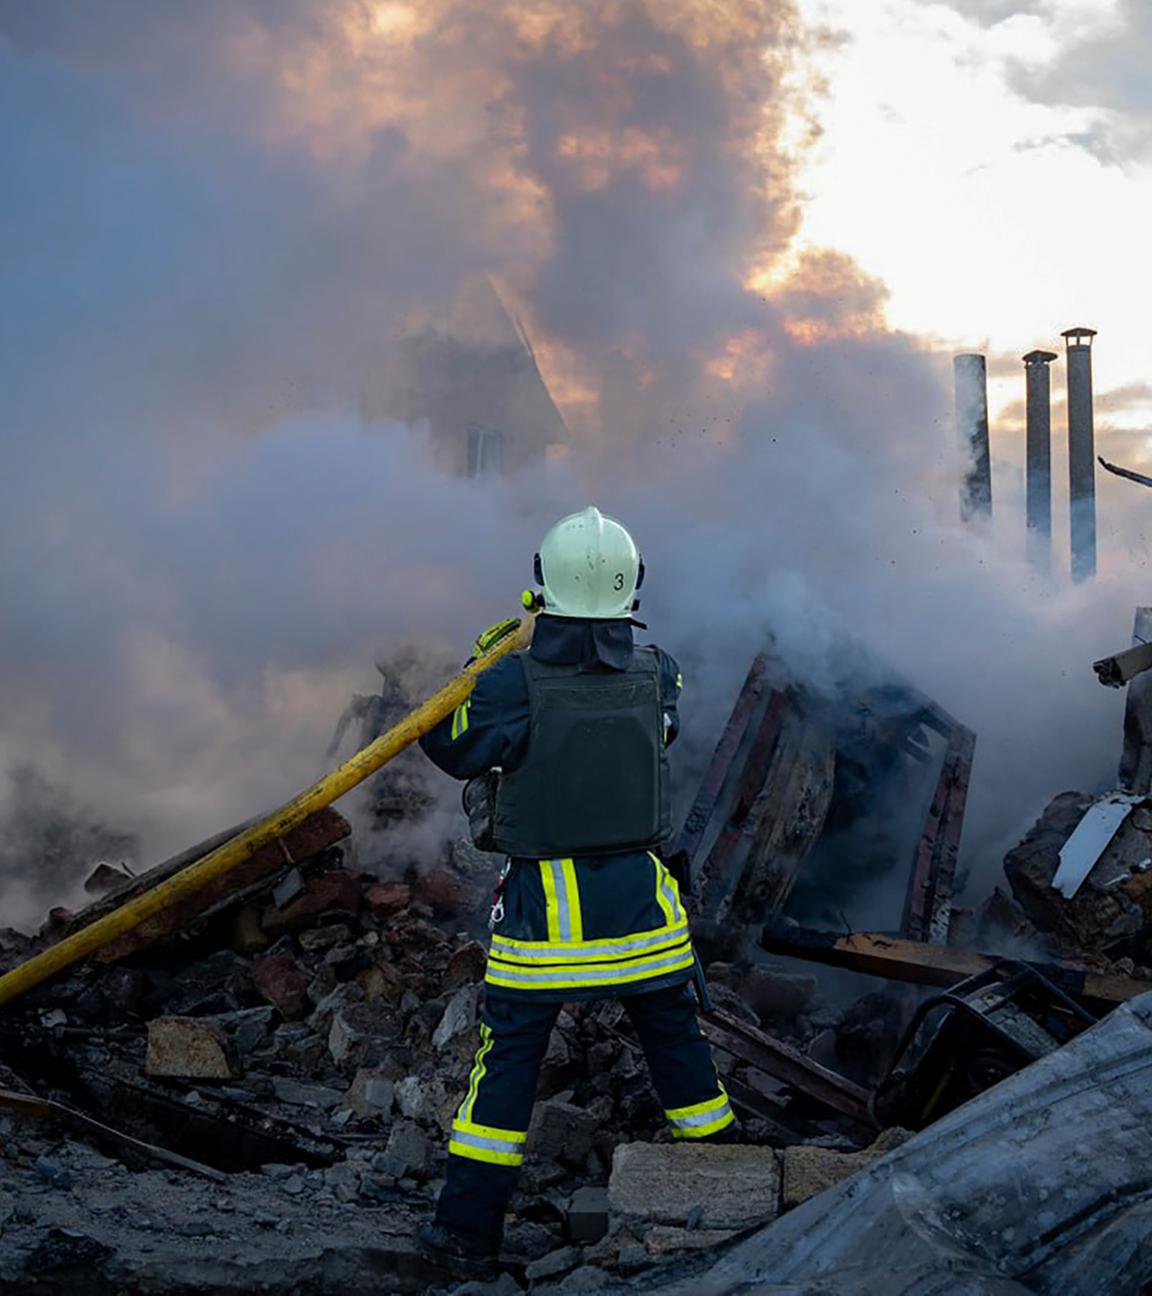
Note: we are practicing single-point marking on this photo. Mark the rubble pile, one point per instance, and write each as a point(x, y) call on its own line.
point(310, 1066)
point(251, 1090)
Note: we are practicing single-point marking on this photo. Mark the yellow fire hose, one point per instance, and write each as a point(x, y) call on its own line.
point(242, 847)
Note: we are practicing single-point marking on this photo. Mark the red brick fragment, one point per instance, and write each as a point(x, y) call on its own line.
point(387, 899)
point(283, 985)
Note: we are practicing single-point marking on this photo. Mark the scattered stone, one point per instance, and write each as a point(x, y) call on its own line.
point(810, 1170)
point(282, 984)
point(406, 1152)
point(419, 1099)
point(381, 981)
point(736, 1187)
point(336, 891)
point(588, 1214)
point(371, 1093)
point(62, 1249)
point(332, 999)
point(553, 1264)
point(189, 1048)
point(296, 1094)
point(586, 1281)
point(52, 1173)
point(561, 1132)
point(248, 1027)
point(57, 1017)
point(125, 990)
point(324, 938)
point(459, 1016)
point(439, 889)
point(505, 1285)
point(361, 1034)
point(466, 966)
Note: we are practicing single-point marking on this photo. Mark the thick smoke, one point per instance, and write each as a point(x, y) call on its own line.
point(216, 216)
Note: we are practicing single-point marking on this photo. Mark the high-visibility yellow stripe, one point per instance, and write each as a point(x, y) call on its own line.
point(699, 1109)
point(575, 919)
point(458, 1147)
point(489, 1131)
point(487, 1143)
point(702, 1131)
point(460, 719)
point(663, 898)
point(479, 1070)
point(667, 892)
point(679, 679)
point(576, 976)
point(508, 947)
point(551, 906)
point(541, 968)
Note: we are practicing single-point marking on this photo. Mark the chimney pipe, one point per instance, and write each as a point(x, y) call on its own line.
point(1081, 452)
point(972, 431)
point(1039, 451)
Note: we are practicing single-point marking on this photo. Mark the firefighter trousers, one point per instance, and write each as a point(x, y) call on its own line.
point(489, 1133)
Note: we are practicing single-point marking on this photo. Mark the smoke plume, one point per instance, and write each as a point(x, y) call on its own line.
point(216, 220)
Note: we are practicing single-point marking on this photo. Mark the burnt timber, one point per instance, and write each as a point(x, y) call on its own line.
point(924, 964)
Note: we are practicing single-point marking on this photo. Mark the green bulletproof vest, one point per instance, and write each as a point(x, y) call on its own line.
point(595, 777)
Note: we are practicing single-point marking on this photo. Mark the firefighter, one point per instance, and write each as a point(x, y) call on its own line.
point(569, 743)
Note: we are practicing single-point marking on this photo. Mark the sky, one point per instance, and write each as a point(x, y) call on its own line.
point(991, 163)
point(745, 240)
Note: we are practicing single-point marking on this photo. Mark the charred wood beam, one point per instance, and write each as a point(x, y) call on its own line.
point(45, 1109)
point(717, 878)
point(786, 1064)
point(696, 824)
point(935, 965)
point(928, 903)
point(318, 832)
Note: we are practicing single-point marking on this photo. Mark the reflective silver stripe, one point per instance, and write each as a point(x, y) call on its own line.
point(622, 948)
point(563, 899)
point(584, 975)
point(487, 1144)
point(701, 1118)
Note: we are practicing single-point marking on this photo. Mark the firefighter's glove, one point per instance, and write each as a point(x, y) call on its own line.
point(486, 640)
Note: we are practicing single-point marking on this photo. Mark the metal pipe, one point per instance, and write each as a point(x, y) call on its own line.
point(971, 377)
point(1038, 380)
point(1081, 452)
point(233, 853)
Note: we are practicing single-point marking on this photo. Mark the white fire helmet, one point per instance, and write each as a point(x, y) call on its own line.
point(590, 567)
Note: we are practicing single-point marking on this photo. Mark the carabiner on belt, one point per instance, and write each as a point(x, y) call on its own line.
point(497, 913)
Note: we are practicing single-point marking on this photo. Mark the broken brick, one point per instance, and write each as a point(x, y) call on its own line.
point(336, 891)
point(387, 899)
point(283, 985)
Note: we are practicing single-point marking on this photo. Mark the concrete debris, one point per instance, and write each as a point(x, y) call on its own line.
point(717, 1187)
point(371, 1093)
point(459, 1016)
point(1038, 1185)
point(809, 1170)
point(189, 1048)
point(588, 1214)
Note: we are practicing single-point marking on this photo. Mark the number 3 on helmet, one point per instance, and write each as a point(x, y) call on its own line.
point(589, 566)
